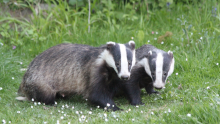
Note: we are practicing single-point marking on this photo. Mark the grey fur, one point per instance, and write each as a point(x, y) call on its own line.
point(68, 69)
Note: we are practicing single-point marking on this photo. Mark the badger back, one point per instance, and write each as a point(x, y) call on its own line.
point(64, 68)
point(120, 57)
point(158, 64)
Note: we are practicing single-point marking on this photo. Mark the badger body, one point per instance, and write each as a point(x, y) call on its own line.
point(153, 67)
point(69, 69)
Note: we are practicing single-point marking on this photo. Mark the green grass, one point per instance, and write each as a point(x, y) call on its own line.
point(199, 76)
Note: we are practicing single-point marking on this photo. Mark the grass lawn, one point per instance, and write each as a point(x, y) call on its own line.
point(192, 32)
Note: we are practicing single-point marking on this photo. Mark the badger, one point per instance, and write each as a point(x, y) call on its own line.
point(69, 69)
point(153, 67)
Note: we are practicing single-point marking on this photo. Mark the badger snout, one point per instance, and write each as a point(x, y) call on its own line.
point(125, 77)
point(159, 88)
point(159, 85)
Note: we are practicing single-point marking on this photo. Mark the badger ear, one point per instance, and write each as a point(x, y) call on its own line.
point(170, 53)
point(110, 44)
point(147, 55)
point(132, 44)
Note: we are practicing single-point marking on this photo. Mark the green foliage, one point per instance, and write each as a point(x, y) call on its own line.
point(192, 91)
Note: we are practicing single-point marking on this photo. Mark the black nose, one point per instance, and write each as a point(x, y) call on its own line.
point(125, 77)
point(158, 88)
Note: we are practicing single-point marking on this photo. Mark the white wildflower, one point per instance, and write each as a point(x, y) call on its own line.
point(58, 122)
point(105, 114)
point(77, 112)
point(148, 41)
point(32, 107)
point(90, 112)
point(1, 88)
point(108, 104)
point(55, 103)
point(12, 78)
point(207, 87)
point(189, 115)
point(18, 112)
point(73, 107)
point(106, 119)
point(169, 110)
point(176, 73)
point(155, 38)
point(133, 119)
point(216, 63)
point(186, 59)
point(137, 106)
point(39, 103)
point(162, 42)
point(32, 99)
point(98, 106)
point(152, 113)
point(156, 32)
point(3, 121)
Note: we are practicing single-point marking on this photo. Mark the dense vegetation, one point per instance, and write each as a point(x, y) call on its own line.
point(191, 30)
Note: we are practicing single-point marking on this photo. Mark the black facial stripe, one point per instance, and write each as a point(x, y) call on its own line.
point(129, 58)
point(152, 64)
point(116, 53)
point(166, 65)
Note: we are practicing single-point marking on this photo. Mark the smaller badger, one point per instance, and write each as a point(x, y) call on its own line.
point(153, 67)
point(68, 69)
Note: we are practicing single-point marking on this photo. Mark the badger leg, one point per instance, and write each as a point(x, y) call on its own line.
point(100, 95)
point(44, 94)
point(102, 98)
point(150, 89)
point(133, 93)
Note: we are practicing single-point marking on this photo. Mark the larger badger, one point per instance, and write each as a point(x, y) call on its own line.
point(68, 69)
point(153, 67)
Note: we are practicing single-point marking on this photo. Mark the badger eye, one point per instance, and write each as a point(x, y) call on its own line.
point(129, 63)
point(153, 74)
point(165, 74)
point(117, 64)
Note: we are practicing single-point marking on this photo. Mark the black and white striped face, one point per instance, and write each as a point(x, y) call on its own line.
point(121, 57)
point(159, 66)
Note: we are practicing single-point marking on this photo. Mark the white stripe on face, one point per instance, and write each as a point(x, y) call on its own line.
point(171, 68)
point(144, 62)
point(106, 56)
point(159, 72)
point(124, 61)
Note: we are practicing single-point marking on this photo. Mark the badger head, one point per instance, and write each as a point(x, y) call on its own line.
point(159, 66)
point(121, 57)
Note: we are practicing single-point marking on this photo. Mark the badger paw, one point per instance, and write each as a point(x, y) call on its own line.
point(153, 92)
